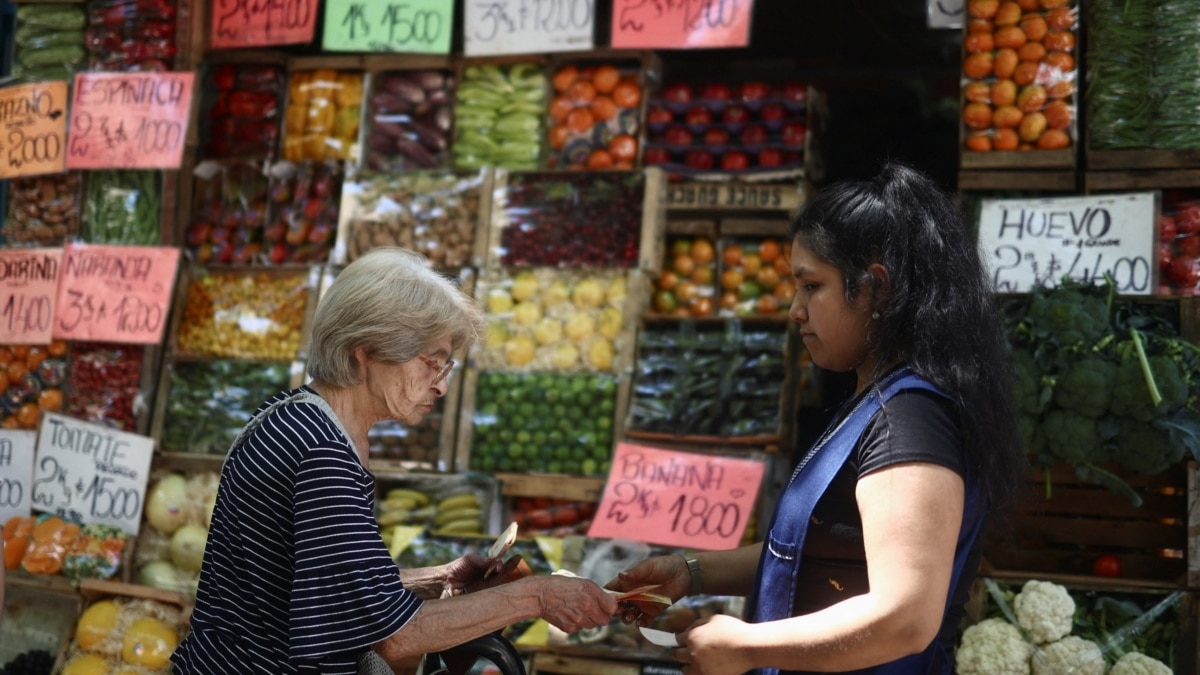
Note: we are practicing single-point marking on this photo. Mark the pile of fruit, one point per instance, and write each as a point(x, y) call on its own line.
point(131, 35)
point(304, 213)
point(322, 115)
point(594, 117)
point(733, 128)
point(242, 105)
point(230, 212)
point(686, 285)
point(1179, 237)
point(171, 546)
point(548, 319)
point(48, 545)
point(498, 117)
point(124, 632)
point(1020, 72)
point(255, 316)
point(443, 507)
point(553, 517)
point(756, 277)
point(555, 423)
point(416, 447)
point(410, 116)
point(31, 379)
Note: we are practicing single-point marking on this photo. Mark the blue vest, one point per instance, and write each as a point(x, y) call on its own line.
point(779, 567)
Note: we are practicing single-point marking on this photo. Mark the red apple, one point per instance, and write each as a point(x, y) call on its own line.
point(679, 93)
point(698, 115)
point(755, 134)
point(755, 91)
point(793, 133)
point(770, 157)
point(699, 159)
point(735, 114)
point(659, 115)
point(773, 112)
point(279, 254)
point(678, 135)
point(795, 92)
point(654, 156)
point(716, 92)
point(735, 160)
point(716, 136)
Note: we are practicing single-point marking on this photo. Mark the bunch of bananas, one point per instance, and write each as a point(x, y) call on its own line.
point(457, 513)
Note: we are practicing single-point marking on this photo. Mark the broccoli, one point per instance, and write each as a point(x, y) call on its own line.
point(1087, 386)
point(1073, 317)
point(1072, 437)
point(1031, 394)
point(1132, 394)
point(1031, 436)
point(1145, 447)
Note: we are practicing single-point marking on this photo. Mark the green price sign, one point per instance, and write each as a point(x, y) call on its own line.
point(408, 26)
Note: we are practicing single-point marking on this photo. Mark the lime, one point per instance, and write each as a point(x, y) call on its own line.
point(504, 464)
point(524, 436)
point(506, 435)
point(589, 466)
point(562, 452)
point(604, 423)
point(579, 453)
point(540, 437)
point(554, 467)
point(571, 467)
point(555, 436)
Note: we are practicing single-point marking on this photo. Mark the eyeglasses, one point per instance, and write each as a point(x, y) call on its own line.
point(442, 370)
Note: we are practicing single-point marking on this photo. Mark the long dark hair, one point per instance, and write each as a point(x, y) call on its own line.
point(939, 315)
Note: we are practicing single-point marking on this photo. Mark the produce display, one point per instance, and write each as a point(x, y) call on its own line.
point(243, 315)
point(730, 127)
point(552, 517)
point(43, 210)
point(571, 219)
point(551, 422)
point(241, 106)
point(171, 542)
point(409, 119)
point(49, 42)
point(303, 215)
point(322, 116)
point(432, 548)
point(687, 284)
point(435, 214)
point(48, 545)
point(549, 319)
point(32, 377)
point(726, 383)
point(123, 207)
point(124, 632)
point(131, 35)
point(498, 117)
point(208, 402)
point(595, 117)
point(417, 447)
point(1179, 242)
point(1019, 75)
point(756, 277)
point(1103, 381)
point(229, 216)
point(104, 384)
point(442, 505)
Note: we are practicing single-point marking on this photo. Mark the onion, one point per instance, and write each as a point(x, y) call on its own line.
point(166, 504)
point(187, 547)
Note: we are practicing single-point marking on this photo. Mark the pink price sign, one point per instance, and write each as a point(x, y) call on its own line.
point(129, 120)
point(677, 498)
point(681, 24)
point(28, 283)
point(260, 23)
point(115, 293)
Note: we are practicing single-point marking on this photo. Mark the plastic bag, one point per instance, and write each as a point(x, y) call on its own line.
point(123, 207)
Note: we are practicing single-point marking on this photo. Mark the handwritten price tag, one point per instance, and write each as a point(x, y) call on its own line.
point(681, 24)
point(91, 474)
point(677, 498)
point(129, 120)
point(33, 128)
point(259, 23)
point(28, 284)
point(528, 26)
point(1039, 241)
point(16, 472)
point(115, 293)
point(412, 26)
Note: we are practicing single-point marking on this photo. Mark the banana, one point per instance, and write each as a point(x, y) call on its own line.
point(417, 496)
point(458, 514)
point(398, 504)
point(457, 501)
point(464, 526)
point(393, 517)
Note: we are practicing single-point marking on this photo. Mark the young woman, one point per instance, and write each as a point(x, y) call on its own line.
point(876, 538)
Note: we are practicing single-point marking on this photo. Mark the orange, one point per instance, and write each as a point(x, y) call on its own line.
point(702, 306)
point(978, 92)
point(606, 78)
point(1007, 117)
point(6, 356)
point(785, 292)
point(1028, 5)
point(732, 255)
point(1050, 4)
point(18, 526)
point(769, 250)
point(1031, 127)
point(979, 42)
point(599, 159)
point(1058, 115)
point(978, 66)
point(751, 264)
point(1005, 140)
point(731, 279)
point(16, 369)
point(982, 9)
point(1031, 98)
point(1061, 89)
point(1031, 51)
point(1053, 139)
point(28, 416)
point(627, 95)
point(565, 77)
point(1060, 60)
point(729, 300)
point(1060, 17)
point(35, 357)
point(57, 348)
point(767, 277)
point(1025, 73)
point(603, 108)
point(20, 351)
point(977, 115)
point(979, 141)
point(4, 383)
point(980, 26)
point(767, 304)
point(14, 550)
point(50, 399)
point(581, 92)
point(1060, 40)
point(580, 120)
point(1007, 14)
point(702, 251)
point(560, 107)
point(1010, 37)
point(559, 133)
point(1035, 26)
point(1004, 92)
point(623, 147)
point(1006, 63)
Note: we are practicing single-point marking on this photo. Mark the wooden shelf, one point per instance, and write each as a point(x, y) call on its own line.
point(555, 486)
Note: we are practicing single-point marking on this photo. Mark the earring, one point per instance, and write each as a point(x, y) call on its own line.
point(874, 315)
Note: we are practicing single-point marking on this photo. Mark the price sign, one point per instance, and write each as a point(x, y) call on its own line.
point(115, 293)
point(90, 473)
point(259, 23)
point(681, 24)
point(945, 13)
point(33, 129)
point(411, 26)
point(129, 120)
point(28, 284)
point(677, 498)
point(494, 27)
point(16, 472)
point(1028, 243)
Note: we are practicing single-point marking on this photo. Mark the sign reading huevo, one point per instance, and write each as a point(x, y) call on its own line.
point(129, 120)
point(261, 23)
point(677, 498)
point(681, 24)
point(28, 286)
point(33, 127)
point(115, 293)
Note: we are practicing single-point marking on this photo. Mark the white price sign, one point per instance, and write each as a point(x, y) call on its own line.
point(946, 13)
point(1035, 242)
point(90, 473)
point(16, 472)
point(492, 27)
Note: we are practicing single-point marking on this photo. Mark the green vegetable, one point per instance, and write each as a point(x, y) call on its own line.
point(1145, 448)
point(1145, 392)
point(1072, 437)
point(1087, 386)
point(1033, 393)
point(123, 207)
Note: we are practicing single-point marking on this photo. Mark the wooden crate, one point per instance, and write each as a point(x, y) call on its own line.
point(36, 617)
point(1064, 534)
point(545, 663)
point(1140, 179)
point(93, 591)
point(1048, 179)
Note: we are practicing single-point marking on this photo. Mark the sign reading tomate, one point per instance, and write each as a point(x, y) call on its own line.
point(115, 293)
point(28, 284)
point(33, 127)
point(129, 120)
point(259, 23)
point(681, 24)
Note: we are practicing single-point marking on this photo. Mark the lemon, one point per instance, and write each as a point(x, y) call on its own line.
point(525, 286)
point(600, 354)
point(565, 356)
point(95, 623)
point(557, 293)
point(527, 313)
point(580, 326)
point(548, 331)
point(519, 350)
point(616, 291)
point(497, 335)
point(499, 301)
point(610, 322)
point(149, 642)
point(86, 664)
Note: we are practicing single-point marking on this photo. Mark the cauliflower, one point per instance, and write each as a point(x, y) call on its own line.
point(1071, 654)
point(1135, 663)
point(992, 647)
point(1045, 610)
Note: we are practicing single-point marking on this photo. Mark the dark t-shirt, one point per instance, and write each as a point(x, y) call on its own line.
point(914, 426)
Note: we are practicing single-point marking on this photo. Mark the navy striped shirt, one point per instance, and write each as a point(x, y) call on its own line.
point(296, 578)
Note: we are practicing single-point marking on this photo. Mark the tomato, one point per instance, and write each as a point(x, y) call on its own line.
point(1107, 565)
point(623, 147)
point(1187, 220)
point(627, 95)
point(1184, 273)
point(1166, 229)
point(606, 78)
point(1165, 255)
point(1189, 245)
point(659, 115)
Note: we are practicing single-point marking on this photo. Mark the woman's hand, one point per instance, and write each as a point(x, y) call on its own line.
point(669, 572)
point(572, 603)
point(460, 573)
point(714, 646)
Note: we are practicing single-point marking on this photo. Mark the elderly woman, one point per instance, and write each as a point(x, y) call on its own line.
point(296, 578)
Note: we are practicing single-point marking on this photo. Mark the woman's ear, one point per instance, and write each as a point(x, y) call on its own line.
point(880, 288)
point(361, 358)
